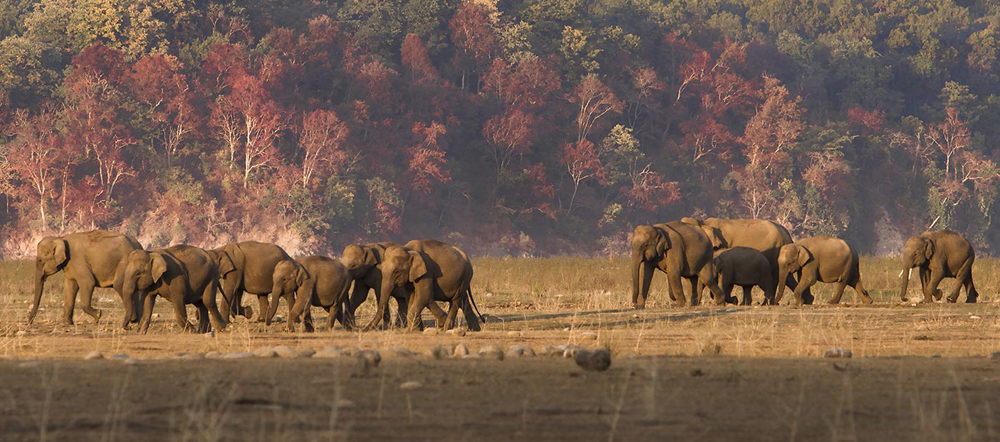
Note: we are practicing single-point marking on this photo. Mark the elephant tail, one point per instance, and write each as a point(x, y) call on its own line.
point(476, 307)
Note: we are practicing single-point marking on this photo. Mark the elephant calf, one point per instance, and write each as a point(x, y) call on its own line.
point(183, 274)
point(314, 280)
point(746, 268)
point(823, 259)
point(938, 255)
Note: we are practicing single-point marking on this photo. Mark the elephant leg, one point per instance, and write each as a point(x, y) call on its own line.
point(203, 324)
point(147, 311)
point(646, 284)
point(262, 304)
point(402, 307)
point(805, 282)
point(300, 307)
point(838, 293)
point(208, 299)
point(417, 304)
point(708, 278)
point(471, 320)
point(674, 281)
point(863, 292)
point(696, 288)
point(70, 288)
point(964, 273)
point(359, 294)
point(87, 297)
point(440, 316)
point(453, 306)
point(180, 312)
point(747, 295)
point(971, 295)
point(925, 278)
point(232, 298)
point(931, 290)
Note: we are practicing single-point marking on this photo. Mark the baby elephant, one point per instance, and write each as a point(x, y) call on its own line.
point(746, 268)
point(311, 281)
point(182, 274)
point(824, 259)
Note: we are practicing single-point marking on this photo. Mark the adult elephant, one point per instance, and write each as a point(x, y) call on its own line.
point(182, 274)
point(363, 263)
point(87, 260)
point(428, 271)
point(940, 254)
point(311, 281)
point(764, 236)
point(678, 249)
point(246, 266)
point(744, 267)
point(821, 259)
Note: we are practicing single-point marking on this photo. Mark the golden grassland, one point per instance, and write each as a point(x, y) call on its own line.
point(552, 301)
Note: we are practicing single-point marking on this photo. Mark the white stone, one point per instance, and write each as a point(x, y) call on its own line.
point(93, 355)
point(329, 353)
point(460, 350)
point(520, 351)
point(837, 353)
point(410, 385)
point(588, 336)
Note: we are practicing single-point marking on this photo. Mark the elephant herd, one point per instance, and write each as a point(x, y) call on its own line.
point(719, 254)
point(417, 274)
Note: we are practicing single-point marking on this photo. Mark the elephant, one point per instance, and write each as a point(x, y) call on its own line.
point(363, 263)
point(678, 249)
point(746, 268)
point(764, 236)
point(311, 281)
point(183, 274)
point(939, 254)
point(428, 271)
point(87, 260)
point(823, 259)
point(246, 266)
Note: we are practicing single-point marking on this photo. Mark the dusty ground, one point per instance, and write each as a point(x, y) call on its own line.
point(919, 372)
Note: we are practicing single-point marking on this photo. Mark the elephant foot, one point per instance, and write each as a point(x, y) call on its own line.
point(247, 312)
point(97, 315)
point(639, 306)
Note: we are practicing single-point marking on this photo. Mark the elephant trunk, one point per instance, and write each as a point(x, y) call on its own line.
point(40, 277)
point(129, 300)
point(642, 275)
point(905, 277)
point(273, 307)
point(783, 272)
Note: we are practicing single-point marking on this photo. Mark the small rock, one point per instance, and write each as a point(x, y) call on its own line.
point(566, 329)
point(369, 358)
point(431, 331)
point(119, 356)
point(130, 361)
point(93, 355)
point(410, 385)
point(155, 316)
point(837, 353)
point(209, 335)
point(457, 331)
point(213, 355)
point(287, 352)
point(191, 356)
point(570, 351)
point(588, 336)
point(21, 333)
point(403, 352)
point(329, 353)
point(439, 352)
point(635, 315)
point(278, 318)
point(492, 352)
point(265, 352)
point(307, 352)
point(345, 403)
point(520, 351)
point(598, 359)
point(514, 333)
point(461, 350)
point(472, 356)
point(240, 355)
point(974, 317)
point(995, 355)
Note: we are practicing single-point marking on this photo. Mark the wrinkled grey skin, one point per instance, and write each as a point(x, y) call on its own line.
point(681, 251)
point(429, 271)
point(821, 259)
point(363, 263)
point(246, 266)
point(311, 281)
point(87, 260)
point(183, 275)
point(940, 254)
point(764, 236)
point(744, 267)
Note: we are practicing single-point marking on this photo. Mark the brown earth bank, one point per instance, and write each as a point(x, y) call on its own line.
point(639, 398)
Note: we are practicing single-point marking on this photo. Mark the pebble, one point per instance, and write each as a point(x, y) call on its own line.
point(213, 355)
point(520, 351)
point(21, 333)
point(974, 317)
point(240, 355)
point(265, 352)
point(130, 361)
point(461, 350)
point(995, 355)
point(515, 333)
point(598, 359)
point(209, 335)
point(837, 353)
point(119, 356)
point(403, 352)
point(431, 331)
point(191, 356)
point(490, 351)
point(345, 403)
point(457, 331)
point(439, 352)
point(410, 385)
point(570, 350)
point(369, 358)
point(93, 355)
point(287, 352)
point(329, 353)
point(588, 336)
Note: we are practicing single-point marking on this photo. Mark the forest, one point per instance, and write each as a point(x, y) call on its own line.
point(520, 128)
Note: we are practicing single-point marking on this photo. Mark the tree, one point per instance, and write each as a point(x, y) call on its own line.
point(34, 156)
point(593, 100)
point(320, 138)
point(509, 135)
point(427, 164)
point(950, 137)
point(156, 81)
point(260, 122)
point(475, 37)
point(582, 162)
point(416, 60)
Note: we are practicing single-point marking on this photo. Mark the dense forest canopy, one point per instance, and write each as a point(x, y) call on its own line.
point(521, 127)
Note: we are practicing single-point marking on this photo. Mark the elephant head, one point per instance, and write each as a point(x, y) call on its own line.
point(141, 271)
point(649, 244)
point(400, 267)
point(791, 259)
point(289, 277)
point(359, 260)
point(223, 258)
point(917, 252)
point(52, 255)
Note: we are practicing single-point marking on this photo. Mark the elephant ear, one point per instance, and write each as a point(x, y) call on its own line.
point(714, 236)
point(418, 268)
point(803, 256)
point(60, 252)
point(928, 249)
point(225, 263)
point(662, 242)
point(301, 275)
point(717, 262)
point(158, 266)
point(371, 257)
